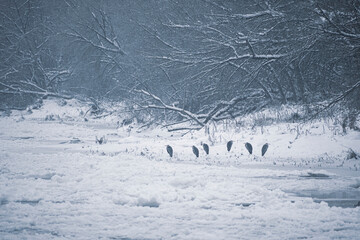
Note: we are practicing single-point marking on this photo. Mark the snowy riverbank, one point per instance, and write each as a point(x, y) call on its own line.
point(56, 182)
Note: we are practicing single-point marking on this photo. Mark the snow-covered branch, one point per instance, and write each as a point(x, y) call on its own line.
point(220, 111)
point(164, 106)
point(338, 98)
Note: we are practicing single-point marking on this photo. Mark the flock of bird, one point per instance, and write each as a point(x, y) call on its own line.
point(206, 147)
point(229, 144)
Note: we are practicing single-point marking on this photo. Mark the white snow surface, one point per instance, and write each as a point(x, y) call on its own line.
point(57, 183)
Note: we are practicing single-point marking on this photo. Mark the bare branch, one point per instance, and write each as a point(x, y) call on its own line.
point(164, 106)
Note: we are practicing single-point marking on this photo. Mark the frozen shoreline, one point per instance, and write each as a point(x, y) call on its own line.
point(57, 183)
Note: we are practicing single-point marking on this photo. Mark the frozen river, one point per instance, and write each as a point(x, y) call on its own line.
point(57, 183)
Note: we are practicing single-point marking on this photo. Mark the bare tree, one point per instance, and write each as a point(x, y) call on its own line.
point(29, 67)
point(231, 58)
point(204, 60)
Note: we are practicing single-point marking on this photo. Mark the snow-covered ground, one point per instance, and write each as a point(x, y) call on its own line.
point(57, 183)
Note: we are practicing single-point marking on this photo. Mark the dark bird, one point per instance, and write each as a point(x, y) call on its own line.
point(101, 140)
point(195, 151)
point(206, 148)
point(264, 149)
point(169, 150)
point(229, 145)
point(249, 147)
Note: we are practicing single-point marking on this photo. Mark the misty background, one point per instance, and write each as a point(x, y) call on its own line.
point(202, 60)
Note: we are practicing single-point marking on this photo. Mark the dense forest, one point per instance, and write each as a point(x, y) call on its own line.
point(203, 60)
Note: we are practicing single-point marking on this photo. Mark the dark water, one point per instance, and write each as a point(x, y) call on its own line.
point(347, 198)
